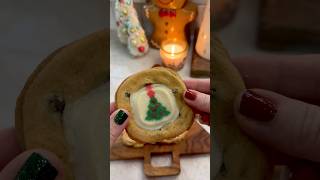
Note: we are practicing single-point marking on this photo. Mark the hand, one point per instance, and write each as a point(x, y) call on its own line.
point(198, 98)
point(13, 160)
point(288, 123)
point(195, 97)
point(118, 122)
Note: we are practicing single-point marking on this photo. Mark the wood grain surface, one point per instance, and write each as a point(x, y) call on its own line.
point(197, 142)
point(200, 67)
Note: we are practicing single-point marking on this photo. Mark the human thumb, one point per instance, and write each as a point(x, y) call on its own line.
point(287, 125)
point(118, 122)
point(34, 164)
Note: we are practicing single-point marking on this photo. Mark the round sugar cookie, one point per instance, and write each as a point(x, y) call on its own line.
point(154, 98)
point(63, 102)
point(241, 158)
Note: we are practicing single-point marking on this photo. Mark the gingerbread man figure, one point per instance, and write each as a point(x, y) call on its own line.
point(169, 18)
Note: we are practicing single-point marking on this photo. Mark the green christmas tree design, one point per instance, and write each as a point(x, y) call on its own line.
point(156, 111)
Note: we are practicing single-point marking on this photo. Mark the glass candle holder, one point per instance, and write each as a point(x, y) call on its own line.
point(173, 53)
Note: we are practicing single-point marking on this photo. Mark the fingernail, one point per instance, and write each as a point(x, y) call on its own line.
point(120, 117)
point(257, 107)
point(37, 168)
point(190, 95)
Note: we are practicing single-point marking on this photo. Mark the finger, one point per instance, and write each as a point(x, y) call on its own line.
point(118, 122)
point(34, 163)
point(112, 107)
point(10, 147)
point(288, 125)
point(197, 100)
point(293, 76)
point(202, 85)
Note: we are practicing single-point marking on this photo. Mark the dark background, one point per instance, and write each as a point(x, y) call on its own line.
point(30, 31)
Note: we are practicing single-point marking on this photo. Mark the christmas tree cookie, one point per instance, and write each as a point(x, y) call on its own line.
point(156, 111)
point(154, 106)
point(154, 98)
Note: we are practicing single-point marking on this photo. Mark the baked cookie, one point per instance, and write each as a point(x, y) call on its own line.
point(63, 102)
point(125, 139)
point(242, 159)
point(154, 98)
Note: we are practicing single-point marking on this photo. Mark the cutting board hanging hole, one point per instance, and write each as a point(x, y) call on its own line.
point(161, 160)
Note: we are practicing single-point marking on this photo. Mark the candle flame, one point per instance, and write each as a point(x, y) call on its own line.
point(173, 48)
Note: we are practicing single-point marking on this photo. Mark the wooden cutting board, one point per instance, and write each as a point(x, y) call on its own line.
point(199, 67)
point(197, 142)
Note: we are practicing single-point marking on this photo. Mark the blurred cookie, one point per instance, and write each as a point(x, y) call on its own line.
point(241, 158)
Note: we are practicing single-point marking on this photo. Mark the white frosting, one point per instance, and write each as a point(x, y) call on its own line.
point(139, 103)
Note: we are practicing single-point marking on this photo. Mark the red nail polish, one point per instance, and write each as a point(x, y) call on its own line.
point(190, 95)
point(257, 107)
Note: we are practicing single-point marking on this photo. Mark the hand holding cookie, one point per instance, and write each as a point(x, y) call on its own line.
point(31, 164)
point(118, 122)
point(280, 113)
point(197, 96)
point(154, 97)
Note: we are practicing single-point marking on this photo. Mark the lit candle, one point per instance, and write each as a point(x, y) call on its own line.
point(173, 53)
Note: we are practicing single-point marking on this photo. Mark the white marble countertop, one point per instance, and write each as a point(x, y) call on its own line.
point(122, 65)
